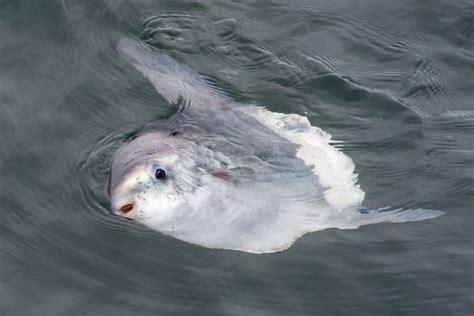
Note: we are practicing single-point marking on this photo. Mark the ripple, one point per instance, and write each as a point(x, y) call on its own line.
point(174, 31)
point(93, 170)
point(467, 115)
point(390, 79)
point(242, 60)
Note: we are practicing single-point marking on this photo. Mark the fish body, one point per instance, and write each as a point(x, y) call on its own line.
point(236, 176)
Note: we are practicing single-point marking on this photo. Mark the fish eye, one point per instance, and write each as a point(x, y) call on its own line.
point(160, 174)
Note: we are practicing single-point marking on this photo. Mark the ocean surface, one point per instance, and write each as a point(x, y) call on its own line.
point(392, 80)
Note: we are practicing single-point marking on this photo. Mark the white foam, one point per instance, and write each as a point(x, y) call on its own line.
point(334, 169)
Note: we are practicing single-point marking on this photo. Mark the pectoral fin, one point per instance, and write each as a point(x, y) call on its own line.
point(227, 174)
point(223, 174)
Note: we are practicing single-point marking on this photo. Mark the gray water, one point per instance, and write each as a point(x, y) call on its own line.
point(392, 79)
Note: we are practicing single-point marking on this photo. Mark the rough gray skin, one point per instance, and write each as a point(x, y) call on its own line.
point(223, 129)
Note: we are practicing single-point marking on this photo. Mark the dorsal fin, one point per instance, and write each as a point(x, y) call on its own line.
point(170, 78)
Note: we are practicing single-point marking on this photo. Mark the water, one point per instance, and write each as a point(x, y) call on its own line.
point(393, 80)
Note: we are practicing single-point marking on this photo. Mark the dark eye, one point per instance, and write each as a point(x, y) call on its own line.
point(160, 174)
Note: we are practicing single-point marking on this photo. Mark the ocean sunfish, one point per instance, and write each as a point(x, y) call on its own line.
point(220, 174)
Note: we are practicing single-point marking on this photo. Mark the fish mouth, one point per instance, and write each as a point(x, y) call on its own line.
point(126, 208)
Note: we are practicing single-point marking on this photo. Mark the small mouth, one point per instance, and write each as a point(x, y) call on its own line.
point(126, 208)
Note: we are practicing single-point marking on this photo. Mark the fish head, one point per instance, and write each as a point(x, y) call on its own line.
point(149, 179)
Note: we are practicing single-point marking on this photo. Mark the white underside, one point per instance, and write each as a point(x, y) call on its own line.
point(334, 169)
